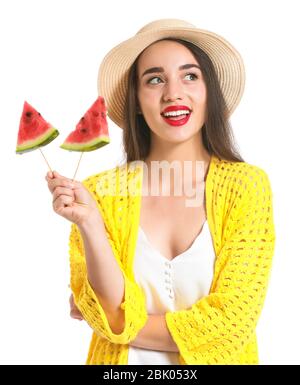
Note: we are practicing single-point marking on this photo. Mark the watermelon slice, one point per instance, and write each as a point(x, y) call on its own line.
point(34, 131)
point(91, 131)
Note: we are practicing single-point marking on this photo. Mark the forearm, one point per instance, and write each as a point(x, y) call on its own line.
point(104, 274)
point(155, 335)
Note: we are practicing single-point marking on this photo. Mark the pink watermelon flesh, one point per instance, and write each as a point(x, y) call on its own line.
point(91, 131)
point(34, 131)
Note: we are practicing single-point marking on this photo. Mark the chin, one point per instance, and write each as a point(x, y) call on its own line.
point(177, 137)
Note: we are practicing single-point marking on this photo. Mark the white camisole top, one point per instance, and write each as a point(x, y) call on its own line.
point(171, 285)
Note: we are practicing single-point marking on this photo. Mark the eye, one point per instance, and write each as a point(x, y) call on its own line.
point(191, 74)
point(149, 81)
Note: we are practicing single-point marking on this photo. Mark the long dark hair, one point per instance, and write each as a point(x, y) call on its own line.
point(217, 135)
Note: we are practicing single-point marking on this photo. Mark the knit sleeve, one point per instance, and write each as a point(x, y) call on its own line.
point(89, 305)
point(218, 326)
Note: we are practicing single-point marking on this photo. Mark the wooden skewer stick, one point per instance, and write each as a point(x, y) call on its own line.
point(77, 166)
point(45, 159)
point(79, 203)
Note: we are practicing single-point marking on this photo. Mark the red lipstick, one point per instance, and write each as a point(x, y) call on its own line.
point(179, 122)
point(176, 120)
point(175, 108)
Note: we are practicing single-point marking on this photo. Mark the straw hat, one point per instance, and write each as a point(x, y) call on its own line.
point(114, 69)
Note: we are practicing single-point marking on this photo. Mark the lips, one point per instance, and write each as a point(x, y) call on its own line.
point(178, 122)
point(175, 108)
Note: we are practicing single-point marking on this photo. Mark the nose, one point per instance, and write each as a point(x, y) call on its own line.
point(172, 91)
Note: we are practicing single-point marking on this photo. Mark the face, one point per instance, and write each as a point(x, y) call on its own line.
point(171, 86)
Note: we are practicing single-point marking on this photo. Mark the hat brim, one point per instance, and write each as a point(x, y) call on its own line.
point(114, 69)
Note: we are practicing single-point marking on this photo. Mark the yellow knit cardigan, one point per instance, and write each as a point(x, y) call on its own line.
point(220, 327)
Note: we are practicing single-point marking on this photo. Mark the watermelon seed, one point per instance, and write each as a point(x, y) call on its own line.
point(82, 118)
point(28, 114)
point(84, 130)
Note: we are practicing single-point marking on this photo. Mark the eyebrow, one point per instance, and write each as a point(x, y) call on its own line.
point(160, 69)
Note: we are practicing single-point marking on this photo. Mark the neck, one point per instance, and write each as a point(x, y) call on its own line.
point(191, 152)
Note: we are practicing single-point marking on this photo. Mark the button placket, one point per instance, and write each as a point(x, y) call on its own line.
point(168, 279)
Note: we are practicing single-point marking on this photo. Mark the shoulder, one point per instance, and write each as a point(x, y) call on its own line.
point(244, 173)
point(95, 183)
point(243, 183)
point(92, 180)
point(111, 181)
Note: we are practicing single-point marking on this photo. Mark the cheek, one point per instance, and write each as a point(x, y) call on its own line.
point(148, 100)
point(198, 93)
point(203, 93)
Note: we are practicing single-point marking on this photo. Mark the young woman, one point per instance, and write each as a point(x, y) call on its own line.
point(161, 281)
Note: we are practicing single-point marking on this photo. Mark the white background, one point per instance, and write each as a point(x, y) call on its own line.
point(50, 54)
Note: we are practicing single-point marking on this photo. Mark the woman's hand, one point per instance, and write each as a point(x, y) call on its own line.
point(71, 200)
point(74, 312)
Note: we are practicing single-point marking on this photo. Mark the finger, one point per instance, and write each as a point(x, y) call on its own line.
point(62, 191)
point(79, 318)
point(49, 175)
point(61, 201)
point(75, 313)
point(62, 182)
point(71, 300)
point(75, 310)
point(57, 175)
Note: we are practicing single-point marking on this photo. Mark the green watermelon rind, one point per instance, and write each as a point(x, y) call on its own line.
point(42, 140)
point(87, 146)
